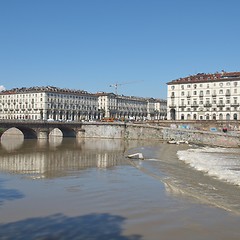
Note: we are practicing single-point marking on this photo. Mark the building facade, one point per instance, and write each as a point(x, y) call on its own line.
point(132, 108)
point(52, 103)
point(204, 97)
point(42, 103)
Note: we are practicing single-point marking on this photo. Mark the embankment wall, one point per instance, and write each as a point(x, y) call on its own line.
point(148, 132)
point(202, 137)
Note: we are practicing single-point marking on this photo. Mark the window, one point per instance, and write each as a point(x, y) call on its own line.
point(208, 92)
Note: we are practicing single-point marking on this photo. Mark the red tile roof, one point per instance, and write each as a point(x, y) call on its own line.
point(204, 77)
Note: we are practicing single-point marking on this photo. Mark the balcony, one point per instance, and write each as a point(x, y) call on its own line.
point(207, 105)
point(235, 105)
point(220, 105)
point(172, 106)
point(194, 105)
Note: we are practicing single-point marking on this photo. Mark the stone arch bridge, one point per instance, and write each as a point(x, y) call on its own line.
point(42, 129)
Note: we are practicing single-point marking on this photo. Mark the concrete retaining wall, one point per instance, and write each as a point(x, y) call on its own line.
point(148, 132)
point(104, 130)
point(202, 137)
point(122, 131)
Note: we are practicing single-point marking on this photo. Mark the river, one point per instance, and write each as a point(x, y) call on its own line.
point(89, 189)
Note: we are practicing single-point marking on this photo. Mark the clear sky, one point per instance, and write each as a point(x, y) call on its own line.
point(90, 44)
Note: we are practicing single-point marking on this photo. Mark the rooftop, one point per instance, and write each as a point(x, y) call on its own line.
point(207, 77)
point(43, 89)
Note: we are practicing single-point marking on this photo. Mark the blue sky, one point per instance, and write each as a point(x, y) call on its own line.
point(90, 44)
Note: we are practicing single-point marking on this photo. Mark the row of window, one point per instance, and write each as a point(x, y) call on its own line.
point(201, 93)
point(18, 100)
point(21, 95)
point(209, 109)
point(195, 86)
point(214, 101)
point(209, 117)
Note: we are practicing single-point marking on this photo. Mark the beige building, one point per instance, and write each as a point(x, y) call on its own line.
point(204, 97)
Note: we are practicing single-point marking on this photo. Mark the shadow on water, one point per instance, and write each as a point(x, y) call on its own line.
point(93, 226)
point(8, 194)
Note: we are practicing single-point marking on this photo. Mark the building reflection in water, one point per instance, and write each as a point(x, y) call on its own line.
point(58, 156)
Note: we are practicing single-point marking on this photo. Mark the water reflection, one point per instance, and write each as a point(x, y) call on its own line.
point(58, 226)
point(7, 194)
point(12, 141)
point(57, 156)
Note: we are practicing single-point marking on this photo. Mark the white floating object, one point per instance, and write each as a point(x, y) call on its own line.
point(136, 155)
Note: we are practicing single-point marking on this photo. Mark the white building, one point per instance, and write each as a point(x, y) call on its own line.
point(132, 108)
point(42, 103)
point(119, 106)
point(204, 97)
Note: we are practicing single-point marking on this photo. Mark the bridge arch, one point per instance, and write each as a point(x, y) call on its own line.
point(66, 131)
point(28, 133)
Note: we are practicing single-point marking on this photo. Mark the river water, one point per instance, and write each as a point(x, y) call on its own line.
point(89, 189)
